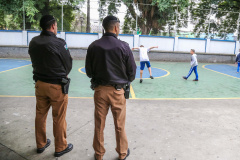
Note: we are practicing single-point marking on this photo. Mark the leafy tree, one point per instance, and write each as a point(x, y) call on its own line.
point(108, 7)
point(155, 15)
point(129, 24)
point(12, 11)
point(223, 17)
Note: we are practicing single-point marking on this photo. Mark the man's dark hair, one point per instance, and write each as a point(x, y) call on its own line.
point(142, 46)
point(47, 21)
point(193, 50)
point(109, 22)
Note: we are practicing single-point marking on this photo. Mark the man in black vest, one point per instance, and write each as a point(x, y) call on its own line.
point(51, 63)
point(110, 64)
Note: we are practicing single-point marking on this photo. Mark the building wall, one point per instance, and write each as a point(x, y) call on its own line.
point(165, 44)
point(77, 53)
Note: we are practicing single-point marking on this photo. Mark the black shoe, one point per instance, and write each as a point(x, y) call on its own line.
point(184, 78)
point(195, 80)
point(141, 80)
point(40, 150)
point(128, 153)
point(151, 77)
point(68, 149)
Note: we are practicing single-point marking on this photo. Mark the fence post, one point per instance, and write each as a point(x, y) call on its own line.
point(100, 35)
point(237, 48)
point(175, 45)
point(24, 38)
point(63, 35)
point(136, 41)
point(208, 43)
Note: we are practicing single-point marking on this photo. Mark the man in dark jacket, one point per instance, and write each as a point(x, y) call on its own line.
point(110, 64)
point(51, 63)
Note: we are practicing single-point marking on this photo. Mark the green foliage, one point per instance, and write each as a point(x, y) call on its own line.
point(107, 7)
point(129, 24)
point(158, 15)
point(12, 13)
point(12, 17)
point(224, 16)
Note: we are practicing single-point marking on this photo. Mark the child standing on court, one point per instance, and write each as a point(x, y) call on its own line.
point(238, 61)
point(144, 60)
point(194, 64)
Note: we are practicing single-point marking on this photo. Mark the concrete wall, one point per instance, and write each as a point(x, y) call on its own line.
point(11, 38)
point(216, 46)
point(31, 34)
point(77, 40)
point(22, 52)
point(165, 44)
point(127, 38)
point(186, 44)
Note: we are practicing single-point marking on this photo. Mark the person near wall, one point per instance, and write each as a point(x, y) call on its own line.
point(110, 65)
point(144, 60)
point(238, 61)
point(194, 64)
point(51, 62)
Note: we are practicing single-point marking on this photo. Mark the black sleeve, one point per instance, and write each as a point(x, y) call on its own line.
point(65, 58)
point(131, 65)
point(88, 64)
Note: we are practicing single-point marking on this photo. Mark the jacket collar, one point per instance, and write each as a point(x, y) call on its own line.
point(48, 33)
point(110, 34)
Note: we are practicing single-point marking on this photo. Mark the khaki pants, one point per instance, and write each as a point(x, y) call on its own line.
point(51, 95)
point(104, 97)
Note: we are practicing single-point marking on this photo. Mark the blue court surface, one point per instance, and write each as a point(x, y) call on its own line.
point(224, 69)
point(7, 64)
point(156, 72)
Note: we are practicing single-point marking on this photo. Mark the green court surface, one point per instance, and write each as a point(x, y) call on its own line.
point(211, 85)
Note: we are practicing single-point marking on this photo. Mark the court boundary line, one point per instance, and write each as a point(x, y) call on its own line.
point(15, 68)
point(168, 73)
point(131, 88)
point(14, 96)
point(132, 92)
point(204, 66)
point(79, 70)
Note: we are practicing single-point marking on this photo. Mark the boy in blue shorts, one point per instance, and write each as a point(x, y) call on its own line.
point(144, 60)
point(194, 64)
point(238, 61)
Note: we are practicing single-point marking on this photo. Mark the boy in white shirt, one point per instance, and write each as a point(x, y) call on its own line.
point(194, 64)
point(144, 59)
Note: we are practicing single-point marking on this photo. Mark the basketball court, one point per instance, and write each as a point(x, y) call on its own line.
point(168, 118)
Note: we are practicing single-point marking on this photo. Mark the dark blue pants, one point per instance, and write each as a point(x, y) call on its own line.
point(195, 71)
point(238, 67)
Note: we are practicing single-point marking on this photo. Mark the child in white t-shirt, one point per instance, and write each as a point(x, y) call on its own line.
point(144, 60)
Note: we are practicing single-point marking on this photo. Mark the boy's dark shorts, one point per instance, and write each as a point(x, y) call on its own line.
point(142, 64)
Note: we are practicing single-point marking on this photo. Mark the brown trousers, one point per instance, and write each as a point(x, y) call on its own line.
point(51, 95)
point(104, 97)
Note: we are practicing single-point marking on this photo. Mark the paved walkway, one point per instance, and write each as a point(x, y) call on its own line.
point(157, 130)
